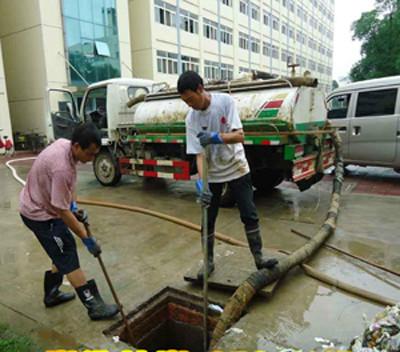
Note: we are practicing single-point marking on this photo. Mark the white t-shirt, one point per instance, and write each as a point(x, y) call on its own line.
point(227, 161)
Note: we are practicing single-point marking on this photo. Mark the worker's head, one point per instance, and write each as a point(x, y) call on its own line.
point(86, 142)
point(191, 90)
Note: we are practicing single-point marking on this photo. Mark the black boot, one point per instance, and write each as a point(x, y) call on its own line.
point(52, 295)
point(210, 252)
point(91, 299)
point(255, 244)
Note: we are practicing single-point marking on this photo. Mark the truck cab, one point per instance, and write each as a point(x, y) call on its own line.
point(103, 103)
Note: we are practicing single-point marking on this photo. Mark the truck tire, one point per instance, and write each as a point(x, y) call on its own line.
point(227, 200)
point(106, 168)
point(266, 180)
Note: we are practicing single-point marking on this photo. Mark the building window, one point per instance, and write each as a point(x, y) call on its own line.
point(290, 32)
point(275, 23)
point(226, 35)
point(255, 12)
point(255, 45)
point(291, 6)
point(275, 52)
point(212, 70)
point(286, 56)
point(312, 65)
point(227, 2)
point(267, 49)
point(164, 13)
point(190, 63)
point(284, 29)
point(210, 29)
point(266, 18)
point(167, 62)
point(301, 60)
point(284, 3)
point(243, 41)
point(91, 40)
point(226, 72)
point(244, 7)
point(189, 22)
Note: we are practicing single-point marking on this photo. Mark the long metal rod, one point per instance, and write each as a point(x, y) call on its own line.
point(114, 293)
point(205, 251)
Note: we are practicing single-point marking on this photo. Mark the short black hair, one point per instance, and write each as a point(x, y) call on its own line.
point(189, 80)
point(86, 134)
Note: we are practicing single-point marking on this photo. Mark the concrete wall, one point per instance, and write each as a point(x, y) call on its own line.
point(141, 19)
point(24, 63)
point(124, 36)
point(5, 123)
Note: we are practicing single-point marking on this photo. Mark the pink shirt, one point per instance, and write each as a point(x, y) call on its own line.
point(50, 183)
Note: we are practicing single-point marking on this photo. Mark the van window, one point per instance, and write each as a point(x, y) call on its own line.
point(338, 106)
point(376, 103)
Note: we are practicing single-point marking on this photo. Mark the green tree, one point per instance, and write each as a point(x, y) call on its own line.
point(335, 84)
point(379, 32)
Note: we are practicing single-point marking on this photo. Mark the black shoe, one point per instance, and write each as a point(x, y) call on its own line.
point(200, 274)
point(52, 295)
point(91, 299)
point(255, 244)
point(266, 263)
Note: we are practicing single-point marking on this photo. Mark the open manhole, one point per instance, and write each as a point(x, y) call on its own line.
point(171, 319)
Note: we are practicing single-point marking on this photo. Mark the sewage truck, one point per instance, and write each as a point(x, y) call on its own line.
point(287, 135)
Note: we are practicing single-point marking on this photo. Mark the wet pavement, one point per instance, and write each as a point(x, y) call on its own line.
point(144, 254)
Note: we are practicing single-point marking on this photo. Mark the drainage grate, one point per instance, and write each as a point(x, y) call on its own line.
point(171, 319)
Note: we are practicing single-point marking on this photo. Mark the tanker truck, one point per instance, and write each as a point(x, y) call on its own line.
point(287, 135)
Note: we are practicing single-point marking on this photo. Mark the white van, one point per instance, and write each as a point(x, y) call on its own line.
point(367, 115)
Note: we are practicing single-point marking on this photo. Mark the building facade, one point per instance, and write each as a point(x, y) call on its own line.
point(5, 122)
point(220, 38)
point(59, 43)
point(71, 43)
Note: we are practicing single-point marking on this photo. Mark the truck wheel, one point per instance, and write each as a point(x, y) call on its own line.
point(266, 181)
point(106, 169)
point(227, 199)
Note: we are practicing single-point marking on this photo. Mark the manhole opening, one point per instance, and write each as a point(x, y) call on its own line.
point(171, 319)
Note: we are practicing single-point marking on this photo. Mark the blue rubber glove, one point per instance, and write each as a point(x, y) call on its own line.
point(73, 207)
point(92, 245)
point(204, 197)
point(206, 138)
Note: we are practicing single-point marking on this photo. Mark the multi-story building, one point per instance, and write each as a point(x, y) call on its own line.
point(220, 38)
point(59, 43)
point(70, 43)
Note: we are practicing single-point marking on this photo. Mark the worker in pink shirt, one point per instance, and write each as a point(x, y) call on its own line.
point(45, 208)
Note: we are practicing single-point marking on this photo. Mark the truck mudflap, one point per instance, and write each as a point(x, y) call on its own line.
point(170, 169)
point(306, 167)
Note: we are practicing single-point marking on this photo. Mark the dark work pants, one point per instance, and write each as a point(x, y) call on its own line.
point(242, 191)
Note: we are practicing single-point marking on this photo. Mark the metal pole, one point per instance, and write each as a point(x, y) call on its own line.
point(205, 251)
point(114, 293)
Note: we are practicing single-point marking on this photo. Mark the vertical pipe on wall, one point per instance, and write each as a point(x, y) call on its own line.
point(178, 35)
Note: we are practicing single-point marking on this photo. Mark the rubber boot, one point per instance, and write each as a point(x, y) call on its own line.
point(52, 295)
point(91, 299)
point(255, 244)
point(211, 266)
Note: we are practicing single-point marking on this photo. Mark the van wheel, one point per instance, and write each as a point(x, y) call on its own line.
point(106, 168)
point(266, 180)
point(227, 200)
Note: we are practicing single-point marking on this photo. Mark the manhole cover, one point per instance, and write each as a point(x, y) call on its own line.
point(171, 319)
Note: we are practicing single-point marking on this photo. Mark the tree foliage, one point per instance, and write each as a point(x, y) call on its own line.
point(379, 32)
